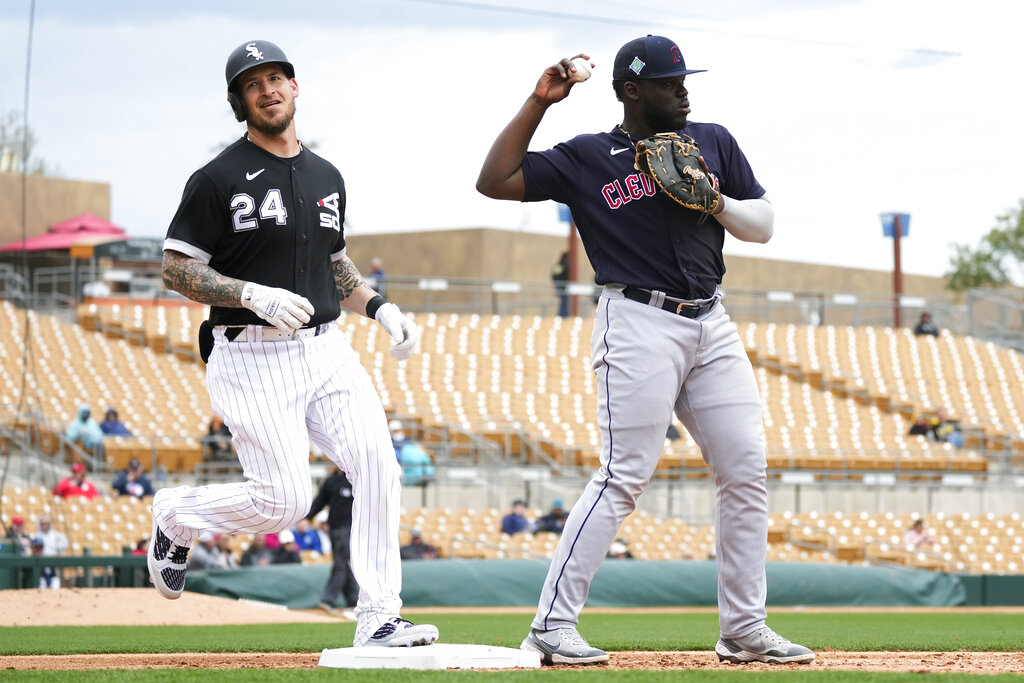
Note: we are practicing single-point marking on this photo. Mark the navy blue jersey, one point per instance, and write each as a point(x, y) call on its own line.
point(634, 234)
point(254, 216)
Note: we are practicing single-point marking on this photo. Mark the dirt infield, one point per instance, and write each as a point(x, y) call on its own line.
point(910, 662)
point(139, 607)
point(143, 607)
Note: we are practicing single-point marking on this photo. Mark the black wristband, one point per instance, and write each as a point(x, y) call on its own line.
point(373, 304)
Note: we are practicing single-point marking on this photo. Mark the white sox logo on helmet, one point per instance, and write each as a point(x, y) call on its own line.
point(253, 52)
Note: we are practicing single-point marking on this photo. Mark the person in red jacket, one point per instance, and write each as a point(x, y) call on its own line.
point(76, 484)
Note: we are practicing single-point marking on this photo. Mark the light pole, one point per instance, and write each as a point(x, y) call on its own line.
point(896, 225)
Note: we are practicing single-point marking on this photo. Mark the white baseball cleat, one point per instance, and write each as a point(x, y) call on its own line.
point(762, 645)
point(563, 646)
point(399, 632)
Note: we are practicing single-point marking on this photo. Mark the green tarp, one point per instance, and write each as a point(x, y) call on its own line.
point(619, 583)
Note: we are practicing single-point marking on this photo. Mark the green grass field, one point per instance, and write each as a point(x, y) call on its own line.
point(857, 631)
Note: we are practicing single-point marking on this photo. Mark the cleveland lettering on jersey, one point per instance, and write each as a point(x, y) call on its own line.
point(637, 185)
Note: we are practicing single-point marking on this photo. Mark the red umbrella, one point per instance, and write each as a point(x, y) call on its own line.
point(86, 227)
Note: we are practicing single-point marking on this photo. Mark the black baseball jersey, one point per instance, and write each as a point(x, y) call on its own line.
point(257, 217)
point(335, 493)
point(634, 234)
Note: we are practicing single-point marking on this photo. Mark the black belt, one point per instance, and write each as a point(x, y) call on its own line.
point(687, 309)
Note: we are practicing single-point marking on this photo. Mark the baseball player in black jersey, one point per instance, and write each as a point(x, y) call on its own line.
point(259, 237)
point(662, 341)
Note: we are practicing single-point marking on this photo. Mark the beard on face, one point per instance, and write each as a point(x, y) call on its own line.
point(665, 121)
point(273, 127)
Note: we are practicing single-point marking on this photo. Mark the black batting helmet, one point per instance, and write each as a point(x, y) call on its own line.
point(246, 56)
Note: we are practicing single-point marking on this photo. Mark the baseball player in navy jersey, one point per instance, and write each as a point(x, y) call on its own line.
point(259, 237)
point(662, 341)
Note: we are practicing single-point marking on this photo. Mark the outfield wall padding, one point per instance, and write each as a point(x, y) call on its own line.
point(619, 583)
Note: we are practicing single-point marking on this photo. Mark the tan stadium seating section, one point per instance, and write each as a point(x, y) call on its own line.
point(985, 543)
point(836, 398)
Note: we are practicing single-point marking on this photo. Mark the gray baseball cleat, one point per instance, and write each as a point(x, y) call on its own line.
point(563, 646)
point(762, 645)
point(167, 564)
point(398, 632)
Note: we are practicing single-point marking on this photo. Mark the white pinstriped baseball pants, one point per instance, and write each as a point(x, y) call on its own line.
point(276, 397)
point(649, 363)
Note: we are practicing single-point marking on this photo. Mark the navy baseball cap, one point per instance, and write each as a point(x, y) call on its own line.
point(650, 57)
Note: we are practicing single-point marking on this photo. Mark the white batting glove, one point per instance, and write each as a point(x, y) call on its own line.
point(405, 332)
point(283, 309)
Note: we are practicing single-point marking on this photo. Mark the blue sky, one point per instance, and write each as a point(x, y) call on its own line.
point(845, 109)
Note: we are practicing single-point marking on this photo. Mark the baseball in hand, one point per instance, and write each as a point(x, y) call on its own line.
point(582, 70)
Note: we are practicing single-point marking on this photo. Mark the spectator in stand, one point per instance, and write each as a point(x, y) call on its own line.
point(112, 425)
point(217, 441)
point(619, 551)
point(926, 326)
point(947, 429)
point(323, 530)
point(417, 549)
point(54, 542)
point(306, 537)
point(48, 576)
point(515, 521)
point(133, 481)
point(141, 546)
point(560, 277)
point(76, 484)
point(336, 494)
point(554, 521)
point(18, 536)
point(921, 427)
point(417, 467)
point(225, 556)
point(917, 537)
point(205, 554)
point(939, 427)
point(377, 278)
point(258, 554)
point(84, 429)
point(288, 552)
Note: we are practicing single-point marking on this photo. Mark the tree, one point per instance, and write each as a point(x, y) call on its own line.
point(997, 261)
point(17, 143)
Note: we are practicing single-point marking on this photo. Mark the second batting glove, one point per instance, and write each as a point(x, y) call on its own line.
point(405, 332)
point(283, 309)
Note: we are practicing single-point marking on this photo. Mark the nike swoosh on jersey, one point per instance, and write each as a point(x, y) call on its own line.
point(250, 176)
point(619, 150)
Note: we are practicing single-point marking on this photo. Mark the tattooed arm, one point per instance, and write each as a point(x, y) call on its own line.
point(199, 282)
point(353, 292)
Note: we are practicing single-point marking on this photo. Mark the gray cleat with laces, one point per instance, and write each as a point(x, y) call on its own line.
point(762, 645)
point(563, 646)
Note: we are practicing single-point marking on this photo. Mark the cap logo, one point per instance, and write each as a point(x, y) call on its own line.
point(253, 52)
point(636, 66)
point(677, 56)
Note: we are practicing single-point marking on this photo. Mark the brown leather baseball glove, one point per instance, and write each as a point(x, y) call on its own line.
point(673, 162)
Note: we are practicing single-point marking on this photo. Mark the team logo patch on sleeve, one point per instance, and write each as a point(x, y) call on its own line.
point(332, 217)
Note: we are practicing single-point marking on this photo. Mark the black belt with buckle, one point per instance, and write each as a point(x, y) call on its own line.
point(687, 309)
